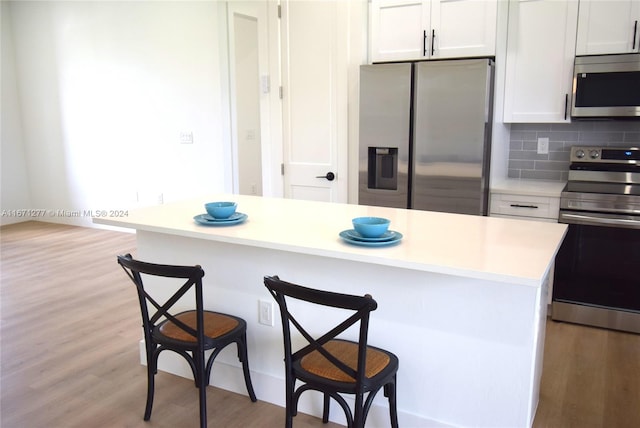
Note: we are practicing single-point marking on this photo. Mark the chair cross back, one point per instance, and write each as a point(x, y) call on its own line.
point(192, 274)
point(367, 369)
point(361, 314)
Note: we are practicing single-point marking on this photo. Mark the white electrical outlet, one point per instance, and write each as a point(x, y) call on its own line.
point(186, 137)
point(265, 312)
point(543, 146)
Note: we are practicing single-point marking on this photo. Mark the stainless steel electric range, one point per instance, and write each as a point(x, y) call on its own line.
point(597, 270)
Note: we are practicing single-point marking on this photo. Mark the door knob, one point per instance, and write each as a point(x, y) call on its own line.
point(330, 176)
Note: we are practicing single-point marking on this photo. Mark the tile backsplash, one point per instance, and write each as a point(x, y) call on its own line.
point(525, 162)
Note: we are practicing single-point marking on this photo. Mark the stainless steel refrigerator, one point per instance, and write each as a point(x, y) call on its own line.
point(425, 133)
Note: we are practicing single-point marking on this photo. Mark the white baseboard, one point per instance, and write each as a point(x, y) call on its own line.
point(271, 389)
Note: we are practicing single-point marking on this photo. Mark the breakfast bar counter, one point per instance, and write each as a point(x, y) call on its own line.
point(461, 299)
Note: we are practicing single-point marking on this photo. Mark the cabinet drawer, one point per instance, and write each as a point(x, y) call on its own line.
point(525, 206)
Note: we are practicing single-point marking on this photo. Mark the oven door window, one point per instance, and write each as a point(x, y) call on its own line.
point(599, 266)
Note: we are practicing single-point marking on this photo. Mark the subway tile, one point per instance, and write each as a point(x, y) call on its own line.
point(524, 161)
point(575, 126)
point(528, 155)
point(541, 175)
point(601, 137)
point(523, 136)
point(619, 126)
point(513, 173)
point(563, 136)
point(519, 164)
point(515, 145)
point(556, 146)
point(531, 126)
point(562, 156)
point(543, 165)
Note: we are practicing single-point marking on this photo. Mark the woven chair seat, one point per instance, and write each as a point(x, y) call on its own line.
point(347, 352)
point(215, 325)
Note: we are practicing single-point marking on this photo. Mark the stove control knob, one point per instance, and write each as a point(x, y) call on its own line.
point(594, 154)
point(579, 154)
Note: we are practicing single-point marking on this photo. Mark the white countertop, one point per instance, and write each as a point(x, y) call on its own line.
point(528, 187)
point(505, 250)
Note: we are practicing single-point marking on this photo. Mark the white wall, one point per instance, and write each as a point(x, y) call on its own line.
point(15, 193)
point(104, 90)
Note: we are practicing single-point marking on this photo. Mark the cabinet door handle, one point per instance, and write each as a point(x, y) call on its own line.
point(433, 39)
point(635, 33)
point(424, 42)
point(523, 206)
point(566, 105)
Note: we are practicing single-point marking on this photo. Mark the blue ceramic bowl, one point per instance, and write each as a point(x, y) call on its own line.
point(370, 227)
point(220, 209)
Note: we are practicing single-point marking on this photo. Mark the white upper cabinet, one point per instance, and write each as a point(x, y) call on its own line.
point(608, 27)
point(410, 30)
point(398, 29)
point(463, 28)
point(539, 65)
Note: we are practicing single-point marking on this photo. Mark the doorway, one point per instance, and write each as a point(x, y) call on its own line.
point(254, 159)
point(246, 126)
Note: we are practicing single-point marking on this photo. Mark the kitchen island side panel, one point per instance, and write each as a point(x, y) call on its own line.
point(468, 347)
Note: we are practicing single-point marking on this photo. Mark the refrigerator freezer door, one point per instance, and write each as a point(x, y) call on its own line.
point(385, 128)
point(451, 136)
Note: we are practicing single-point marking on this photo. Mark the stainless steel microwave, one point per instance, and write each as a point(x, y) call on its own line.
point(606, 86)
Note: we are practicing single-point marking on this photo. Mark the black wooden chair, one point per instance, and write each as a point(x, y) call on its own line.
point(189, 333)
point(331, 365)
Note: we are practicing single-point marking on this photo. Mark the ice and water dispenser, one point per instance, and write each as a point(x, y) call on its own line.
point(383, 176)
point(383, 168)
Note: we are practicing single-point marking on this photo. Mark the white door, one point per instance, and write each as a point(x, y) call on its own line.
point(314, 76)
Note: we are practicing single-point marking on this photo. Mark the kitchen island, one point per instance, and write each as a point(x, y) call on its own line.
point(461, 299)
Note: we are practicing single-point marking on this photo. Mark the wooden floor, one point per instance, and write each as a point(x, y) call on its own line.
point(70, 327)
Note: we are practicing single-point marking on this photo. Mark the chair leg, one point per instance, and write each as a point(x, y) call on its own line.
point(325, 410)
point(150, 389)
point(202, 381)
point(152, 369)
point(390, 392)
point(359, 415)
point(290, 410)
point(244, 359)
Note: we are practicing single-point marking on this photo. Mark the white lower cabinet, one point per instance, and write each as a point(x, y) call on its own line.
point(543, 208)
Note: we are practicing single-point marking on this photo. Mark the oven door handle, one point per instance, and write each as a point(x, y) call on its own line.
point(599, 220)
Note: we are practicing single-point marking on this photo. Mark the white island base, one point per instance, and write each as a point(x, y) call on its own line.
point(461, 300)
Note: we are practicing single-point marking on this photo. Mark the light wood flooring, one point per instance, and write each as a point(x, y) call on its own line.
point(69, 356)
